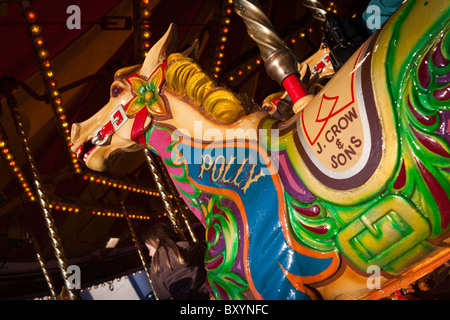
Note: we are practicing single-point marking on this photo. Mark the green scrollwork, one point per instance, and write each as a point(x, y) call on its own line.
point(223, 243)
point(425, 153)
point(311, 224)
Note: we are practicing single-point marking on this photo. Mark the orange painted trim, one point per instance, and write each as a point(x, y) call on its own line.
point(299, 283)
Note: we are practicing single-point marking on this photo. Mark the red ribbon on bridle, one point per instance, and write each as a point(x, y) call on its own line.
point(119, 116)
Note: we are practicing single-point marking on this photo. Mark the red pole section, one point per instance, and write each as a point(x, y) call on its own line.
point(294, 87)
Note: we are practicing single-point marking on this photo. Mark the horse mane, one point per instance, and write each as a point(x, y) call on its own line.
point(185, 78)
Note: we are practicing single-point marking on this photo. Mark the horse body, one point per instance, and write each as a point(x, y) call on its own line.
point(309, 208)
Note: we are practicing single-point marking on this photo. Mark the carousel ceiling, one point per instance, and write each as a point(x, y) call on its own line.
point(55, 73)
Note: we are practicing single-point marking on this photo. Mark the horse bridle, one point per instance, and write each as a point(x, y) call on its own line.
point(119, 117)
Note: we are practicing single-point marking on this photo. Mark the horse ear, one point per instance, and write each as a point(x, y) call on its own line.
point(192, 51)
point(160, 51)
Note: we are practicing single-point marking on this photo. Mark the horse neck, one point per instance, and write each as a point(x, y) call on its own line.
point(189, 122)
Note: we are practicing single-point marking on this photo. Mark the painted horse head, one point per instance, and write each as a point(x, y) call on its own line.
point(142, 94)
point(134, 102)
point(355, 184)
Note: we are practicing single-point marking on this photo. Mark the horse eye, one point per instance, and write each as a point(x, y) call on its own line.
point(116, 91)
point(269, 109)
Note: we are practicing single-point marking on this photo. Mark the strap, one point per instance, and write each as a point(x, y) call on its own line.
point(119, 117)
point(137, 131)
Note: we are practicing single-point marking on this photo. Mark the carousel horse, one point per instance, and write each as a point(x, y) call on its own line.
point(347, 199)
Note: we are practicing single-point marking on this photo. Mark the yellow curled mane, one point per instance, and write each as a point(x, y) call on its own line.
point(184, 77)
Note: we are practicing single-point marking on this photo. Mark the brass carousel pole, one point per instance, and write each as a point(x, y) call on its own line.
point(179, 203)
point(188, 225)
point(41, 261)
point(40, 192)
point(280, 62)
point(162, 192)
point(138, 247)
point(317, 9)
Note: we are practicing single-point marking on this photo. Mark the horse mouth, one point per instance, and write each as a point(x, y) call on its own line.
point(85, 150)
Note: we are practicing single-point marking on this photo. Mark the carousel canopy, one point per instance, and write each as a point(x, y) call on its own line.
point(56, 67)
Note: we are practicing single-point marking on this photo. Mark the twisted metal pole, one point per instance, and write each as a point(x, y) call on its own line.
point(280, 62)
point(138, 247)
point(179, 203)
point(41, 196)
point(162, 191)
point(40, 259)
point(317, 9)
point(259, 27)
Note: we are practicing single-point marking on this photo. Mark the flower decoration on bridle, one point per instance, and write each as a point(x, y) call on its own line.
point(147, 94)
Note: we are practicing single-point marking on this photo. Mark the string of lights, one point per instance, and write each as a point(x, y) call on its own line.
point(6, 153)
point(59, 206)
point(223, 37)
point(332, 6)
point(145, 27)
point(103, 213)
point(119, 184)
point(9, 158)
point(43, 61)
